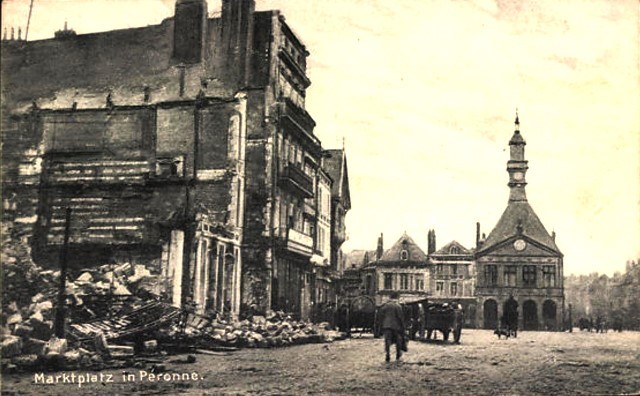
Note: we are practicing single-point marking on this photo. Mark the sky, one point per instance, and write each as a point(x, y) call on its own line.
point(424, 94)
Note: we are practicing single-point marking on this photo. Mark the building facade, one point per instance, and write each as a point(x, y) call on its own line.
point(403, 268)
point(453, 277)
point(184, 146)
point(520, 259)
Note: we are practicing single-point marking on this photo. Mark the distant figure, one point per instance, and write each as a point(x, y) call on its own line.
point(391, 319)
point(421, 321)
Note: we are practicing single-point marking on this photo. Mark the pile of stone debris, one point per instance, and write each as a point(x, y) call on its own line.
point(275, 329)
point(116, 316)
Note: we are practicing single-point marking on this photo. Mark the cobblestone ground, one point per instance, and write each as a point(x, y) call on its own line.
point(536, 363)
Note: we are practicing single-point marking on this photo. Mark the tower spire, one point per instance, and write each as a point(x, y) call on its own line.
point(517, 165)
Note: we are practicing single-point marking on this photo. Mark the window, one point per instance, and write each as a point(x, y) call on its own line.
point(404, 255)
point(454, 288)
point(510, 275)
point(549, 275)
point(439, 268)
point(529, 275)
point(404, 281)
point(388, 281)
point(454, 250)
point(491, 275)
point(367, 286)
point(454, 269)
point(419, 284)
point(439, 287)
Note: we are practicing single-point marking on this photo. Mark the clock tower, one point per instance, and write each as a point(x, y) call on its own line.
point(517, 166)
point(519, 267)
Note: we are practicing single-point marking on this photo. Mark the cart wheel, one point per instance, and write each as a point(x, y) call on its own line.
point(456, 334)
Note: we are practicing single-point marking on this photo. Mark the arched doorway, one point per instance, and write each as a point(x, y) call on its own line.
point(549, 315)
point(529, 315)
point(510, 315)
point(490, 309)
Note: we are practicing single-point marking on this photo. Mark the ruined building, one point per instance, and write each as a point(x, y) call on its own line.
point(519, 258)
point(183, 146)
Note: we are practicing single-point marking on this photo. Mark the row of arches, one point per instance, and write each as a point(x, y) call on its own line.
point(528, 314)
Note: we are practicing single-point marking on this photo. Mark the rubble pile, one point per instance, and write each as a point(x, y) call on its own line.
point(276, 329)
point(114, 315)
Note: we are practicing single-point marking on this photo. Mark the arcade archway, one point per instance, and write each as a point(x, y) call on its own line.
point(529, 315)
point(549, 309)
point(490, 309)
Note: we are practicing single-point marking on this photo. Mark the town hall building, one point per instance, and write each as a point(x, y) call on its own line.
point(519, 260)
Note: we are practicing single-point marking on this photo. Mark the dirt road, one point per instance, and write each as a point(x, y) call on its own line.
point(536, 363)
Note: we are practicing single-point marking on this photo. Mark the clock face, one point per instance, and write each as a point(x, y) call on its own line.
point(519, 245)
point(518, 176)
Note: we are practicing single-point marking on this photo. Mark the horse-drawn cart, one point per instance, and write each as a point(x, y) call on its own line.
point(360, 314)
point(446, 318)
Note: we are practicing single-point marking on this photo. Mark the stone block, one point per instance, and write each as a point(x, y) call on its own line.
point(42, 329)
point(85, 277)
point(71, 360)
point(44, 306)
point(11, 346)
point(23, 330)
point(34, 346)
point(14, 319)
point(57, 345)
point(26, 362)
point(120, 351)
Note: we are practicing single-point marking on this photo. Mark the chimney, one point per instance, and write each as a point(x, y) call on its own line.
point(189, 31)
point(237, 40)
point(380, 248)
point(477, 234)
point(431, 247)
point(481, 241)
point(553, 236)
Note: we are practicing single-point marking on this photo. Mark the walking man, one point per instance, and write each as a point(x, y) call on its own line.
point(391, 319)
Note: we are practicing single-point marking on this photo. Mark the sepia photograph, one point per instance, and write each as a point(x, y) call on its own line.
point(327, 197)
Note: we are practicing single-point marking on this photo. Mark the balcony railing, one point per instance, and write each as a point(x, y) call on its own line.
point(299, 242)
point(297, 181)
point(301, 118)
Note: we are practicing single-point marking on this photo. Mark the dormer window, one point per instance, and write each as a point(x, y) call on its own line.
point(454, 250)
point(404, 255)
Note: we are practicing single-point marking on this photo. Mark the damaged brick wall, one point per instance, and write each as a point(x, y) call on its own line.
point(21, 169)
point(258, 228)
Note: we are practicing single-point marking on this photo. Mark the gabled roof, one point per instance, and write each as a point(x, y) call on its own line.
point(404, 243)
point(335, 164)
point(517, 218)
point(453, 248)
point(356, 258)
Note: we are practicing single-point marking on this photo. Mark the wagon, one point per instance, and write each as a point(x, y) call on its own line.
point(359, 314)
point(446, 318)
